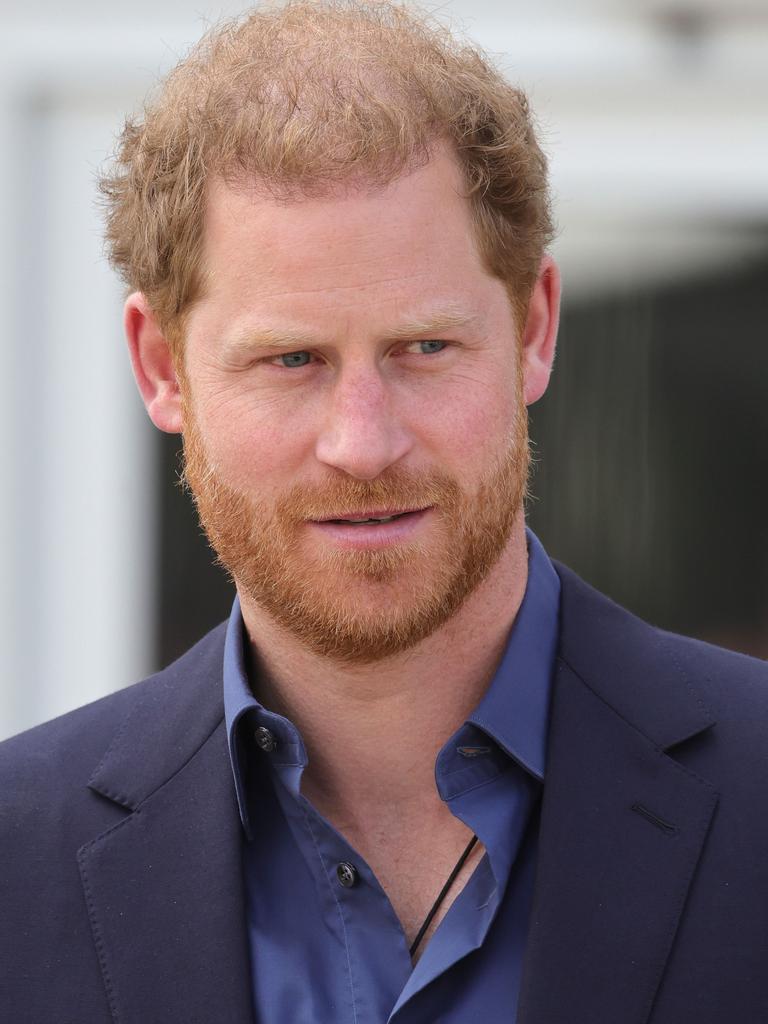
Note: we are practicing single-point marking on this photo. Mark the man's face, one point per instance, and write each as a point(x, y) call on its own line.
point(352, 359)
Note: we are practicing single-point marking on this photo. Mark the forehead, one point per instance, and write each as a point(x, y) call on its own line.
point(414, 235)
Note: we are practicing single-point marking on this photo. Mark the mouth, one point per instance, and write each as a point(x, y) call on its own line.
point(367, 529)
point(371, 518)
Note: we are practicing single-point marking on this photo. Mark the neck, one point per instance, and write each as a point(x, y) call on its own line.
point(373, 731)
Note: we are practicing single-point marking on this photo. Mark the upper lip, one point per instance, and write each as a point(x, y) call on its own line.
point(378, 513)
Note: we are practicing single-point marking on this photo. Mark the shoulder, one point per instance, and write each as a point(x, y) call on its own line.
point(733, 689)
point(62, 754)
point(594, 626)
point(719, 672)
point(669, 686)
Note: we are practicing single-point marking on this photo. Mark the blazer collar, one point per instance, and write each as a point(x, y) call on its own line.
point(628, 664)
point(623, 824)
point(175, 713)
point(164, 886)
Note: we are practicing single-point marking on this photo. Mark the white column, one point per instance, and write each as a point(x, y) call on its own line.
point(78, 508)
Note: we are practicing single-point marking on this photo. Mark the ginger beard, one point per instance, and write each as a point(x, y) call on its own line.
point(361, 606)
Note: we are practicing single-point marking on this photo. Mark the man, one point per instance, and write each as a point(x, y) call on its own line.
point(421, 774)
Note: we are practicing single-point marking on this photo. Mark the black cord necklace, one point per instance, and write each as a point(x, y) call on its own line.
point(443, 893)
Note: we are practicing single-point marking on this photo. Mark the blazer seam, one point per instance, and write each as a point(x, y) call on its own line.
point(137, 810)
point(121, 729)
point(96, 932)
point(705, 710)
point(704, 827)
point(89, 847)
point(656, 747)
point(134, 808)
point(184, 764)
point(165, 678)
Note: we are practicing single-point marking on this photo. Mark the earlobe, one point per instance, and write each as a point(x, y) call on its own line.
point(152, 364)
point(540, 333)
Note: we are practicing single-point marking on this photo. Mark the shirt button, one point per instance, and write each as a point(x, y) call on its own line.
point(265, 739)
point(473, 751)
point(346, 874)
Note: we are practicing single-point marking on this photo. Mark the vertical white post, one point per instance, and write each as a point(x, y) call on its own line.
point(78, 509)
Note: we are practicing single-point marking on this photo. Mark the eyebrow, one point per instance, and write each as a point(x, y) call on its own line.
point(434, 324)
point(256, 338)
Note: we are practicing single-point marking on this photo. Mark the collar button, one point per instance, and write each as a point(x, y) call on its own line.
point(473, 751)
point(265, 739)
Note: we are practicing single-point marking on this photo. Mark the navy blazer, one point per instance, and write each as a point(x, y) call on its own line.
point(121, 896)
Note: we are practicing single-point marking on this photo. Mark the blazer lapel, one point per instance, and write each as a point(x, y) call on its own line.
point(622, 829)
point(164, 886)
point(623, 824)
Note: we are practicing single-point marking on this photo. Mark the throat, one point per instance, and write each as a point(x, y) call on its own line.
point(413, 849)
point(423, 876)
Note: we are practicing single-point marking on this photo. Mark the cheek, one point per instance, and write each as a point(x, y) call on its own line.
point(254, 449)
point(469, 421)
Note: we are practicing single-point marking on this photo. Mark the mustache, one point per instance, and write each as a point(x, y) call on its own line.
point(397, 490)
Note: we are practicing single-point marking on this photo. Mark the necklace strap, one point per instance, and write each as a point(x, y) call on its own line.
point(443, 893)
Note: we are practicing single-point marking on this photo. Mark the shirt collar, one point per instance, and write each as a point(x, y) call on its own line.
point(238, 699)
point(514, 710)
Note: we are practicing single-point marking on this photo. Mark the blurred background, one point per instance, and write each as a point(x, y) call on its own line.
point(652, 445)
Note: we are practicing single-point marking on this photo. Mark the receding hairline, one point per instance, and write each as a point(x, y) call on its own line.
point(359, 185)
point(248, 98)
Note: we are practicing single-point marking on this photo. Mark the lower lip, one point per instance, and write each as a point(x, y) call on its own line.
point(377, 535)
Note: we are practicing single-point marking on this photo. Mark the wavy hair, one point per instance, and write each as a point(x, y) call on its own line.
point(305, 98)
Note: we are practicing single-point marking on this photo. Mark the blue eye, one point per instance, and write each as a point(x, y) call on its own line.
point(428, 347)
point(293, 359)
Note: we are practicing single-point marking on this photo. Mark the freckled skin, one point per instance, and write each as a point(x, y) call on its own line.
point(385, 353)
point(346, 272)
point(353, 407)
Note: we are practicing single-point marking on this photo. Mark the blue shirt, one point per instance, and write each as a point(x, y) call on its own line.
point(322, 952)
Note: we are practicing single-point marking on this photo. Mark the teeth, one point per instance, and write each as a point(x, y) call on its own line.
point(388, 519)
point(362, 522)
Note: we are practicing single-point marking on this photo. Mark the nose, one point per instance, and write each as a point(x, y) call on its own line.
point(362, 435)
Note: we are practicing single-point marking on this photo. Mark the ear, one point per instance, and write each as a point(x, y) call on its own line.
point(152, 364)
point(540, 334)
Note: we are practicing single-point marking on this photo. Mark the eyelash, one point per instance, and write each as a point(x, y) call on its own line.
point(299, 352)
